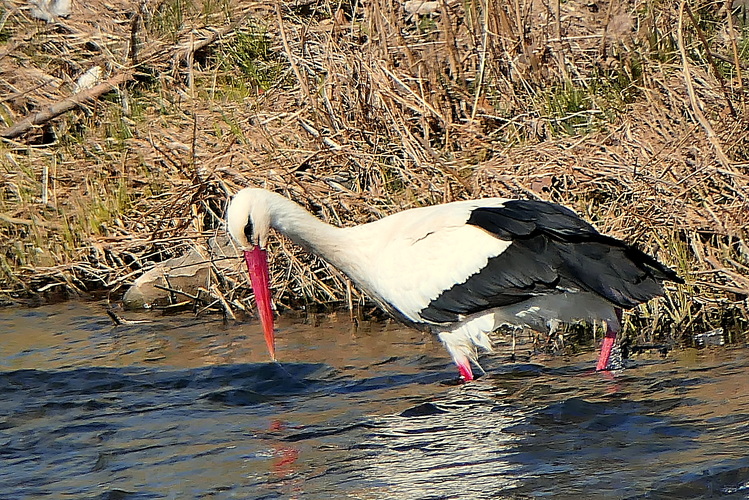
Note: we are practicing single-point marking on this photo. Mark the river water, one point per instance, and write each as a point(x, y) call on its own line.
point(180, 407)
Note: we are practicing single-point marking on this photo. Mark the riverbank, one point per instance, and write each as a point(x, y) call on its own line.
point(632, 114)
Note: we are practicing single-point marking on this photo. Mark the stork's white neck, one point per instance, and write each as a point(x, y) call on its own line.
point(300, 226)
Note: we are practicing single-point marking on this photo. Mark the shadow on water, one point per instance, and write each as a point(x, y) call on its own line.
point(93, 412)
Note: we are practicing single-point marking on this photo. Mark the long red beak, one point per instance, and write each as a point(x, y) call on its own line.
point(257, 266)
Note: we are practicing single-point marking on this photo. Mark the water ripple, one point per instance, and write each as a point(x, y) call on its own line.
point(188, 410)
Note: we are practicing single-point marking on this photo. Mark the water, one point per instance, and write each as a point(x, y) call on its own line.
point(185, 408)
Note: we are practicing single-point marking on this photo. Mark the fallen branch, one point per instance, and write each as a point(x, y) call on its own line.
point(64, 106)
point(28, 222)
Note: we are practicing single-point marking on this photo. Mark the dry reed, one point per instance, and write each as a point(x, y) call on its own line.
point(634, 113)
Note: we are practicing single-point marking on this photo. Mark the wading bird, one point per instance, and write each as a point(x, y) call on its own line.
point(462, 269)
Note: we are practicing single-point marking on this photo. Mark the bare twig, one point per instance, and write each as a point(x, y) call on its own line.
point(72, 102)
point(690, 91)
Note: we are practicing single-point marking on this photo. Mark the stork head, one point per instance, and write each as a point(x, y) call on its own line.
point(248, 223)
point(248, 218)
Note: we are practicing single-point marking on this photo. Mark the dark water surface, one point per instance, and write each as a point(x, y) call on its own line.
point(185, 408)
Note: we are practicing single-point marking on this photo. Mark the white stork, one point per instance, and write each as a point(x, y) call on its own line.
point(462, 269)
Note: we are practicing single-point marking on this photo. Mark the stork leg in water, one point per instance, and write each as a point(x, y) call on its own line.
point(462, 269)
point(609, 340)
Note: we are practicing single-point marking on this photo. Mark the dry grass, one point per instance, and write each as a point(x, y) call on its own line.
point(633, 113)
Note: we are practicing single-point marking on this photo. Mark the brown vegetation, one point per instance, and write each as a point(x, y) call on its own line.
point(634, 113)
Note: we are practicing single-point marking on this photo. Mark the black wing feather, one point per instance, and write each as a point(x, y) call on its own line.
point(552, 249)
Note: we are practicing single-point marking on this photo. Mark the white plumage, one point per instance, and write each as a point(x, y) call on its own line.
point(463, 269)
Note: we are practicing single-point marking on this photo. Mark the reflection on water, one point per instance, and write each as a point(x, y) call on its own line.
point(185, 408)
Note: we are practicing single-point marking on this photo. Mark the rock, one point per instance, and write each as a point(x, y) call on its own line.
point(421, 7)
point(89, 79)
point(50, 10)
point(186, 273)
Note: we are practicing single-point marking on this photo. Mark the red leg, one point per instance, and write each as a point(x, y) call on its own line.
point(465, 371)
point(608, 343)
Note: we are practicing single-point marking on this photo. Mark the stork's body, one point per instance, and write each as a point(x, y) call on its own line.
point(462, 269)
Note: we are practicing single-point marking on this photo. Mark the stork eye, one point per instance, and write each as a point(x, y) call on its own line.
point(248, 230)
